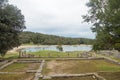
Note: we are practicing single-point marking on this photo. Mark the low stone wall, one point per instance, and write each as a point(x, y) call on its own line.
point(7, 64)
point(72, 75)
point(92, 58)
point(29, 61)
point(111, 60)
point(20, 61)
point(31, 71)
point(84, 54)
point(108, 53)
point(3, 62)
point(94, 75)
point(97, 77)
point(38, 73)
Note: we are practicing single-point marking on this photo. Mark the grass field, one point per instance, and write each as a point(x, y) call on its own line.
point(104, 68)
point(78, 66)
point(53, 66)
point(21, 67)
point(55, 54)
point(45, 53)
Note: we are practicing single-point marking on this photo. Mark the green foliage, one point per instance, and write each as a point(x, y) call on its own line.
point(105, 17)
point(44, 39)
point(59, 47)
point(15, 67)
point(11, 24)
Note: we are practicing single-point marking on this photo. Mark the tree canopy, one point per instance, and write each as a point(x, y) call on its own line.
point(44, 39)
point(11, 24)
point(105, 17)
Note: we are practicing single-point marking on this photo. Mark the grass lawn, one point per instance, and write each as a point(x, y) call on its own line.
point(43, 54)
point(72, 78)
point(78, 66)
point(13, 55)
point(27, 76)
point(21, 67)
point(55, 54)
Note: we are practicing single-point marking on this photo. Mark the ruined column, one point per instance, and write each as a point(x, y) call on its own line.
point(20, 54)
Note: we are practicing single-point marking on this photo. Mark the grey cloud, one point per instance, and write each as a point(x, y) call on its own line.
point(58, 17)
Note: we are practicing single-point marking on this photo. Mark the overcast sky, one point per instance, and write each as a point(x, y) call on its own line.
point(57, 17)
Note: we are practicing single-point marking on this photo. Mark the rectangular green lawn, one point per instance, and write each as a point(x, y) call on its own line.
point(21, 67)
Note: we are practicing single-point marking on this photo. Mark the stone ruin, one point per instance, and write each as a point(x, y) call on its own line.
point(23, 54)
point(86, 55)
point(108, 53)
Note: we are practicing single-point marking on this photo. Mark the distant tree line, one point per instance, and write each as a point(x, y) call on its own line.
point(44, 39)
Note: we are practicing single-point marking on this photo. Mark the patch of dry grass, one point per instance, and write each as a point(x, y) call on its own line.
point(79, 66)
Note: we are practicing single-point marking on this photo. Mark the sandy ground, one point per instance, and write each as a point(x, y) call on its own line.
point(20, 47)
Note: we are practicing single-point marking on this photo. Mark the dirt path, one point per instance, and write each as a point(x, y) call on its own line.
point(57, 67)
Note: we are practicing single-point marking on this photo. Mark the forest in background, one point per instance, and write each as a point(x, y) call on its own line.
point(28, 37)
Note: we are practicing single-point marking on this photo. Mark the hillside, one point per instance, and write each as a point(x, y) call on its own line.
point(44, 39)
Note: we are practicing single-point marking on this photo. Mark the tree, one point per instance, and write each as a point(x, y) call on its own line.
point(59, 47)
point(11, 24)
point(28, 37)
point(105, 17)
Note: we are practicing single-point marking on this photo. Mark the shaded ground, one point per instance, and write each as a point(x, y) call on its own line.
point(78, 66)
